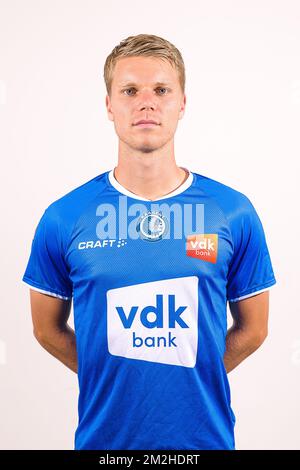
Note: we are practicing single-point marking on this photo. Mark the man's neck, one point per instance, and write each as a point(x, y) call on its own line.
point(149, 176)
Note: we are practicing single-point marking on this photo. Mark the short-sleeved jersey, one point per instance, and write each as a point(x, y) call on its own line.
point(150, 282)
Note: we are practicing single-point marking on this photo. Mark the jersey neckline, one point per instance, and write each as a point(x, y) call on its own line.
point(121, 189)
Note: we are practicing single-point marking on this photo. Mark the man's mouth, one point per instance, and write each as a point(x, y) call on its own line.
point(146, 123)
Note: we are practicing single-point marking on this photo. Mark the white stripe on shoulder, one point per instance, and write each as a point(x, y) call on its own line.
point(53, 294)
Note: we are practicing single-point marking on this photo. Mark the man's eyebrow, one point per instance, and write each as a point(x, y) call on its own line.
point(134, 84)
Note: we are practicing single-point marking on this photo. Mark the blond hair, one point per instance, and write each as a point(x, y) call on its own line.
point(144, 45)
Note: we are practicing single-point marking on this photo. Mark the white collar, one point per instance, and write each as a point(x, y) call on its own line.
point(125, 191)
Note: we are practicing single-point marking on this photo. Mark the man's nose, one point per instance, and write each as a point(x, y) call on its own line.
point(147, 100)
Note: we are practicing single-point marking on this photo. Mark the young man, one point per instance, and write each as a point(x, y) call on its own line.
point(150, 253)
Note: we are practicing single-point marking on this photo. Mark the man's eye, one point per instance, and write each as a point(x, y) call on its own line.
point(129, 89)
point(161, 88)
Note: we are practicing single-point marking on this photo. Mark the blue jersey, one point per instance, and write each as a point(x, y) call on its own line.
point(150, 282)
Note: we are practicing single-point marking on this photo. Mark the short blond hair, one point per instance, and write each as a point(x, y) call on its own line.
point(144, 45)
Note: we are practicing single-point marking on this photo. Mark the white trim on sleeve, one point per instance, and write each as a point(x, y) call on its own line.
point(53, 294)
point(249, 295)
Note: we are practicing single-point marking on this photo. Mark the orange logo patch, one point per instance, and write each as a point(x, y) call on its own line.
point(203, 246)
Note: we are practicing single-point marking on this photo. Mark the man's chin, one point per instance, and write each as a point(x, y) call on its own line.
point(145, 146)
point(146, 149)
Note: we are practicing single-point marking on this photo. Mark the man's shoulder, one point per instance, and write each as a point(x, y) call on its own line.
point(71, 204)
point(226, 197)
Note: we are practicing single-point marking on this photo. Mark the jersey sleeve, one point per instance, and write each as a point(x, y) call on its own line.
point(250, 271)
point(47, 270)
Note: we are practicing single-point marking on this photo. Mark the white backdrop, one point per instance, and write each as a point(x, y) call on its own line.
point(241, 127)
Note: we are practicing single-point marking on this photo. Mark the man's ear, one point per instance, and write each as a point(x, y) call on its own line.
point(109, 108)
point(182, 107)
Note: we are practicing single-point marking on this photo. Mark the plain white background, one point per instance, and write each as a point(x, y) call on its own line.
point(241, 127)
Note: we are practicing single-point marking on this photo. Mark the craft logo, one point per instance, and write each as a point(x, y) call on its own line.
point(203, 246)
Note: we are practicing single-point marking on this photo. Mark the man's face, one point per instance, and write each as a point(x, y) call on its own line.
point(145, 88)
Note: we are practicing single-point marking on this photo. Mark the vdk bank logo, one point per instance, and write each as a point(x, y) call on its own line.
point(155, 321)
point(203, 246)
